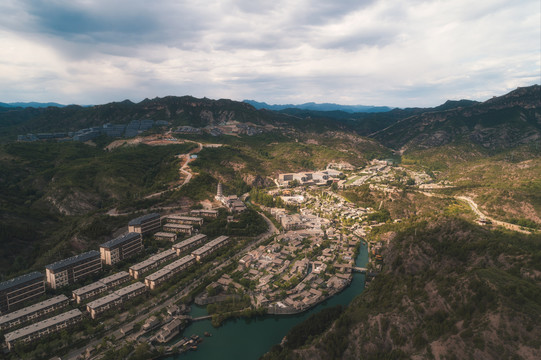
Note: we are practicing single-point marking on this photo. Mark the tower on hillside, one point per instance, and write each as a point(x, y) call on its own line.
point(219, 192)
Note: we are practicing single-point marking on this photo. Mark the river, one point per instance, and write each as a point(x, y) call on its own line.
point(251, 338)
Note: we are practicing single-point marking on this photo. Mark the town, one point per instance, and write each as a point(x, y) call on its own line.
point(306, 256)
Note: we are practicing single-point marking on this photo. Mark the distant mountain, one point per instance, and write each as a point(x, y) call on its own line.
point(499, 123)
point(30, 104)
point(320, 107)
point(184, 110)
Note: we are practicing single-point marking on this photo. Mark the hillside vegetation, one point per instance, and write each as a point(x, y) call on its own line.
point(52, 194)
point(500, 123)
point(448, 289)
point(505, 184)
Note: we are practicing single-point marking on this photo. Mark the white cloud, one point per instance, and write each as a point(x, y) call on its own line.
point(382, 52)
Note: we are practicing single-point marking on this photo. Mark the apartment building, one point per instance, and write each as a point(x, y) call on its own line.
point(186, 220)
point(120, 248)
point(15, 292)
point(101, 305)
point(43, 328)
point(32, 312)
point(115, 299)
point(145, 224)
point(116, 279)
point(151, 263)
point(179, 228)
point(88, 292)
point(204, 213)
point(153, 280)
point(131, 291)
point(73, 269)
point(167, 236)
point(189, 243)
point(210, 247)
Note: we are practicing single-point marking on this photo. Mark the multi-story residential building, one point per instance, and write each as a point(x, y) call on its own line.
point(179, 228)
point(155, 279)
point(145, 224)
point(32, 312)
point(151, 263)
point(210, 247)
point(189, 243)
point(204, 213)
point(116, 279)
point(120, 248)
point(90, 291)
point(165, 236)
point(131, 291)
point(99, 306)
point(43, 328)
point(15, 292)
point(73, 269)
point(186, 220)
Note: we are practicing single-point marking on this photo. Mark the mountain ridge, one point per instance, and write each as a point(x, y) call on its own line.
point(319, 107)
point(501, 122)
point(30, 104)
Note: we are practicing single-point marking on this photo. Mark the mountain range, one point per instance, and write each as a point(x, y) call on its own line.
point(501, 122)
point(320, 107)
point(448, 288)
point(30, 104)
point(498, 123)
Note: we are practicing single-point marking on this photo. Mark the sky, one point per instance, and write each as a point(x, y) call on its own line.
point(370, 52)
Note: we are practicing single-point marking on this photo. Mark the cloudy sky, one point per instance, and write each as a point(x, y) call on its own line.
point(370, 52)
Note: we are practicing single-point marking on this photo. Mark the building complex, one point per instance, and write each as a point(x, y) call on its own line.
point(15, 292)
point(186, 220)
point(189, 243)
point(73, 269)
point(204, 213)
point(309, 178)
point(90, 291)
point(145, 224)
point(120, 248)
point(179, 228)
point(231, 202)
point(43, 328)
point(153, 280)
point(167, 236)
point(32, 312)
point(210, 247)
point(151, 263)
point(99, 306)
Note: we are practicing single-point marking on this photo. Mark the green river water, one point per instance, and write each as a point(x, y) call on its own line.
point(251, 338)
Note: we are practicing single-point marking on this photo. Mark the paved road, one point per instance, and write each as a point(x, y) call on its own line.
point(478, 212)
point(475, 208)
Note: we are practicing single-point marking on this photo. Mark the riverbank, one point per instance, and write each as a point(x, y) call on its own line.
point(250, 338)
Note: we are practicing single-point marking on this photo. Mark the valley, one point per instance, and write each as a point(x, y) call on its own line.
point(444, 200)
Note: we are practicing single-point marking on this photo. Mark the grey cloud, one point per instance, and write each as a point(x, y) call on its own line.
point(356, 41)
point(122, 22)
point(321, 12)
point(303, 50)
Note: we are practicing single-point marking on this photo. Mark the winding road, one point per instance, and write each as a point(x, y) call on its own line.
point(184, 169)
point(473, 205)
